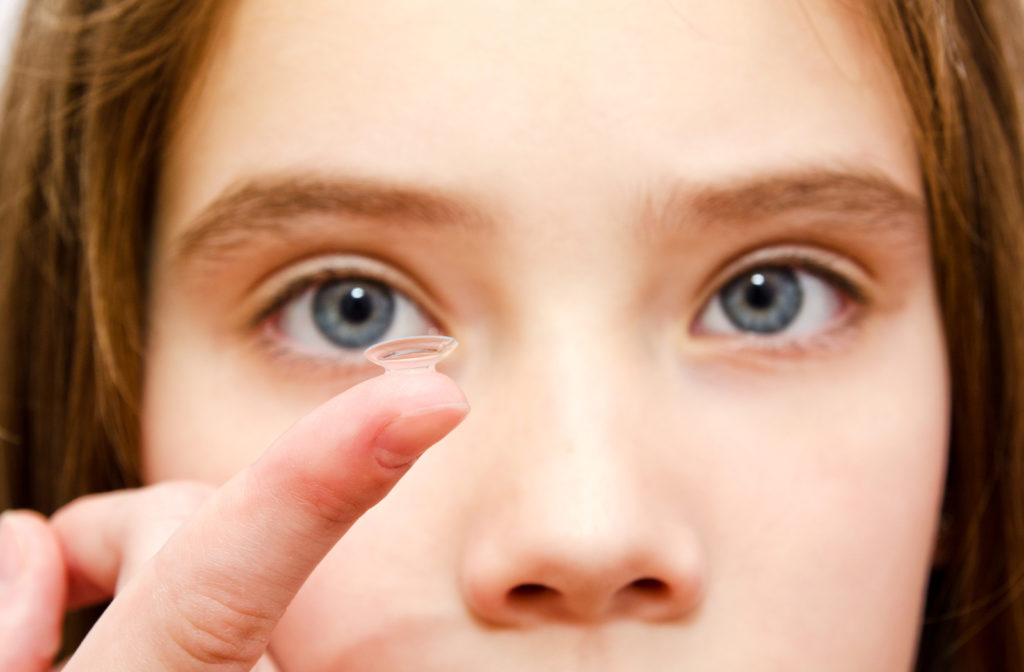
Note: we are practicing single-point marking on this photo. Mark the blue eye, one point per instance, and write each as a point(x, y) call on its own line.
point(348, 314)
point(353, 313)
point(763, 301)
point(772, 300)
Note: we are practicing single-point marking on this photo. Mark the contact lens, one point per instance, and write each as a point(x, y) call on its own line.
point(416, 353)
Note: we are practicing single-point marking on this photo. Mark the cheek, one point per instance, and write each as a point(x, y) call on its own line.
point(825, 495)
point(207, 410)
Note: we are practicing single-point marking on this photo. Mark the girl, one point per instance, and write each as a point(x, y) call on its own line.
point(738, 291)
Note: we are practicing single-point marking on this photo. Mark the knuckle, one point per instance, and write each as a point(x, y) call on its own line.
point(326, 506)
point(322, 506)
point(218, 630)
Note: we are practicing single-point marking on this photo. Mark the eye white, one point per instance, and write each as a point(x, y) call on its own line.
point(298, 327)
point(820, 305)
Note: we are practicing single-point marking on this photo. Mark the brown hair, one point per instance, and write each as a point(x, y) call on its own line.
point(90, 94)
point(93, 89)
point(961, 66)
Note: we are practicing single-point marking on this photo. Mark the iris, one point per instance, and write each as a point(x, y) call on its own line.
point(763, 300)
point(354, 312)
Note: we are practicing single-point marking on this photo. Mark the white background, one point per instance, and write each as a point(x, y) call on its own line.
point(10, 11)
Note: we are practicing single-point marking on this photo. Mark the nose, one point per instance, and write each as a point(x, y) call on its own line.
point(573, 523)
point(550, 572)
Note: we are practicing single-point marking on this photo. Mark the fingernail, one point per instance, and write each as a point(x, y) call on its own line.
point(405, 438)
point(12, 554)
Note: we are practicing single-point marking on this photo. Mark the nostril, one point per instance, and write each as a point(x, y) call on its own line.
point(649, 586)
point(529, 592)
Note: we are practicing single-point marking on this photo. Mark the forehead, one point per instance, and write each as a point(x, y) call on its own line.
point(604, 91)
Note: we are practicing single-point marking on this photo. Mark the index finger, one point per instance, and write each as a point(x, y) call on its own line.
point(213, 594)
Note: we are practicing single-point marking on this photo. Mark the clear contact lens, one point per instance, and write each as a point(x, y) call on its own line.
point(416, 353)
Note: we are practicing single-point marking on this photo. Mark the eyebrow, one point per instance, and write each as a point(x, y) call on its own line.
point(268, 206)
point(867, 198)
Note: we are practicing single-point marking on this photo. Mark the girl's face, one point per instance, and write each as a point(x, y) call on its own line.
point(683, 247)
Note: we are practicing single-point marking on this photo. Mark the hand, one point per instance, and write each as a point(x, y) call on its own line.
point(201, 576)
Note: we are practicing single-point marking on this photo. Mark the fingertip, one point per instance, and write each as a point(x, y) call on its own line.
point(359, 415)
point(32, 591)
point(353, 447)
point(405, 438)
point(27, 546)
point(400, 393)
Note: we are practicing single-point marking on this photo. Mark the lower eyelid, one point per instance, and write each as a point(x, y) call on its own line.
point(753, 351)
point(272, 348)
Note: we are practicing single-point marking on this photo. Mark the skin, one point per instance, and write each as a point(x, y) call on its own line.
point(632, 490)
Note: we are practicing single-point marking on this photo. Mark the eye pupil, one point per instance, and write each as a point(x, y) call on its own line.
point(354, 312)
point(759, 293)
point(355, 306)
point(763, 301)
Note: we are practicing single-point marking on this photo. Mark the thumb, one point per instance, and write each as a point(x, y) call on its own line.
point(214, 593)
point(32, 590)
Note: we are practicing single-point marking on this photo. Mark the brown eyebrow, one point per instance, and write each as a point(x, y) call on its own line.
point(266, 206)
point(864, 198)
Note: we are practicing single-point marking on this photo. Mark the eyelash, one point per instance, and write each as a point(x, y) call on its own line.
point(296, 287)
point(825, 266)
point(309, 276)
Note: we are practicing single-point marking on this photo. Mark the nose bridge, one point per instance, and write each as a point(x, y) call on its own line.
point(571, 459)
point(579, 372)
point(561, 384)
point(574, 380)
